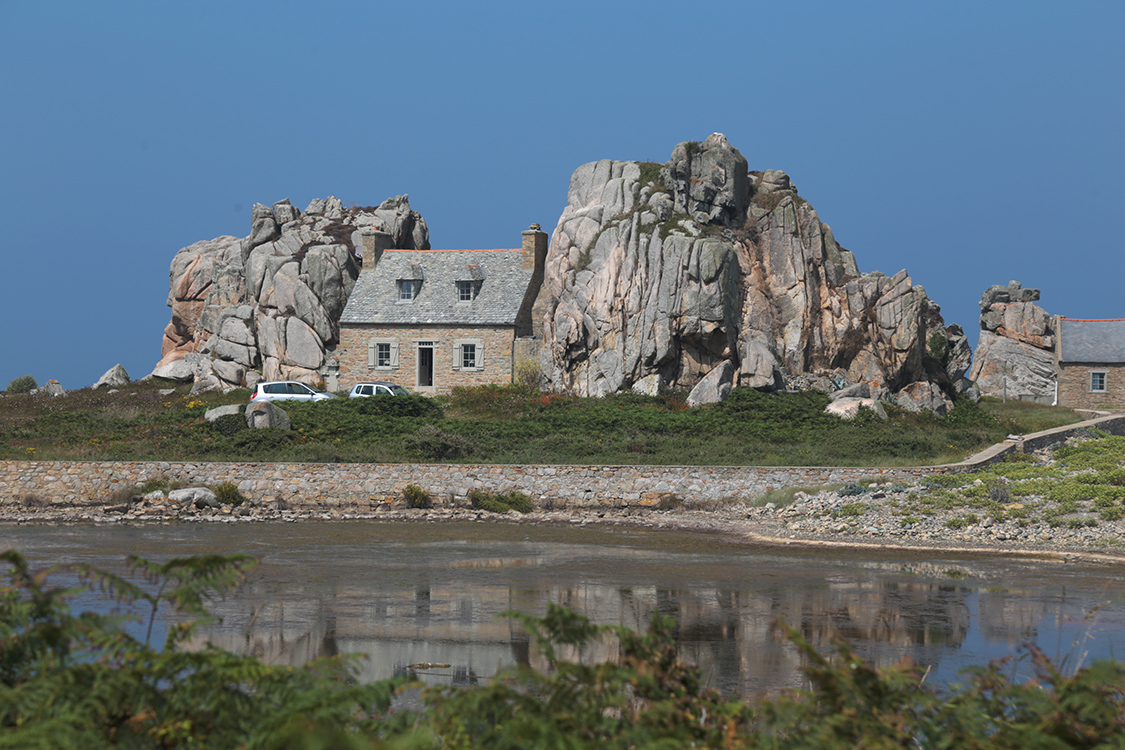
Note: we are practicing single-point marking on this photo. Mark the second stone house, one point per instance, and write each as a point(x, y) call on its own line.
point(1090, 362)
point(431, 320)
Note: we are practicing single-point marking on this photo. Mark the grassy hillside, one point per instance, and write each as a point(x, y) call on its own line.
point(505, 425)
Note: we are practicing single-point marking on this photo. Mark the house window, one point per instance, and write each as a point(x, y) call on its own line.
point(1097, 381)
point(465, 291)
point(382, 354)
point(468, 354)
point(407, 289)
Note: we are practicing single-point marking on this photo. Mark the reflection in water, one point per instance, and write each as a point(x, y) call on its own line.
point(412, 594)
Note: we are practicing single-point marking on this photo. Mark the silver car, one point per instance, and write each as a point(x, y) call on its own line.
point(377, 389)
point(286, 390)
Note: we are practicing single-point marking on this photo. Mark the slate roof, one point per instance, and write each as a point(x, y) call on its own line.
point(1095, 341)
point(500, 276)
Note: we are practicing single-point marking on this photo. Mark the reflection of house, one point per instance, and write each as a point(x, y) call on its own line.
point(431, 320)
point(1090, 363)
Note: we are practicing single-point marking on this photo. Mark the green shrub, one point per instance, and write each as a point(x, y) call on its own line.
point(229, 424)
point(516, 501)
point(850, 510)
point(435, 444)
point(419, 407)
point(228, 494)
point(161, 483)
point(851, 489)
point(416, 497)
point(22, 384)
point(998, 492)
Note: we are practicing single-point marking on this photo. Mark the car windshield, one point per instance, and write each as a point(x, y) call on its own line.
point(398, 390)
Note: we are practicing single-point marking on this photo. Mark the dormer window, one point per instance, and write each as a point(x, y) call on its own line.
point(410, 283)
point(468, 283)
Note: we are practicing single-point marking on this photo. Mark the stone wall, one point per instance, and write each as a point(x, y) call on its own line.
point(89, 483)
point(1074, 386)
point(94, 483)
point(496, 350)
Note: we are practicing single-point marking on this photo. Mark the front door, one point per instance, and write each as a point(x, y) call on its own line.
point(425, 364)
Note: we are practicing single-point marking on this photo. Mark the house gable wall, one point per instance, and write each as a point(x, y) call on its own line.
point(496, 348)
point(1074, 385)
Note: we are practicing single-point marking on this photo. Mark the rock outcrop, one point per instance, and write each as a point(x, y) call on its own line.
point(269, 305)
point(660, 273)
point(1015, 356)
point(114, 377)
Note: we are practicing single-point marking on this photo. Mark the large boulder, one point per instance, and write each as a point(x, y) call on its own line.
point(924, 396)
point(114, 377)
point(714, 387)
point(273, 299)
point(670, 270)
point(849, 407)
point(267, 414)
point(1015, 356)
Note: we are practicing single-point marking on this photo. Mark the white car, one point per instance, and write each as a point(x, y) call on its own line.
point(286, 390)
point(377, 389)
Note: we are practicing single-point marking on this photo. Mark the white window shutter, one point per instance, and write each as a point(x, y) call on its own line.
point(457, 354)
point(370, 355)
point(480, 354)
point(394, 354)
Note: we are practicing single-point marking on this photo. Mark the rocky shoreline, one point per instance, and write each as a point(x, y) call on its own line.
point(822, 519)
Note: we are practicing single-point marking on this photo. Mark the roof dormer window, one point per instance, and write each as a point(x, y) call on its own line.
point(468, 283)
point(410, 283)
point(408, 289)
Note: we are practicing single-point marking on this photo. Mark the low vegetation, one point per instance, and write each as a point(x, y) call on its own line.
point(74, 678)
point(1078, 484)
point(22, 384)
point(505, 424)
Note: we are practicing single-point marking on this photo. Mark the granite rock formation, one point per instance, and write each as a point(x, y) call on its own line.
point(660, 273)
point(1015, 356)
point(268, 305)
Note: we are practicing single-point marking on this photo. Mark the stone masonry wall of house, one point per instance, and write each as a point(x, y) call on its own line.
point(1074, 386)
point(88, 483)
point(496, 350)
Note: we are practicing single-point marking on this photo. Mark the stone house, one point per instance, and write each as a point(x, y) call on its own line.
point(1090, 363)
point(431, 320)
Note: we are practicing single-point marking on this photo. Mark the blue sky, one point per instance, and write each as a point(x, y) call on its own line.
point(970, 143)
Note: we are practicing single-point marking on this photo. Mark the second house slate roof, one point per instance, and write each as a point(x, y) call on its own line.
point(1093, 341)
point(502, 282)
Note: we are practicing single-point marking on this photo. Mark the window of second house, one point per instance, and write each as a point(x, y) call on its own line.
point(466, 291)
point(1097, 381)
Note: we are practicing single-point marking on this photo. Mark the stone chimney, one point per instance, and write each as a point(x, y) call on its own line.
point(374, 243)
point(534, 247)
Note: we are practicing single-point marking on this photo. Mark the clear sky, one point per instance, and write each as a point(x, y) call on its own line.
point(970, 143)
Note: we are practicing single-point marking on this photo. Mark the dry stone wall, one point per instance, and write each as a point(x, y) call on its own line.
point(359, 486)
point(94, 483)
